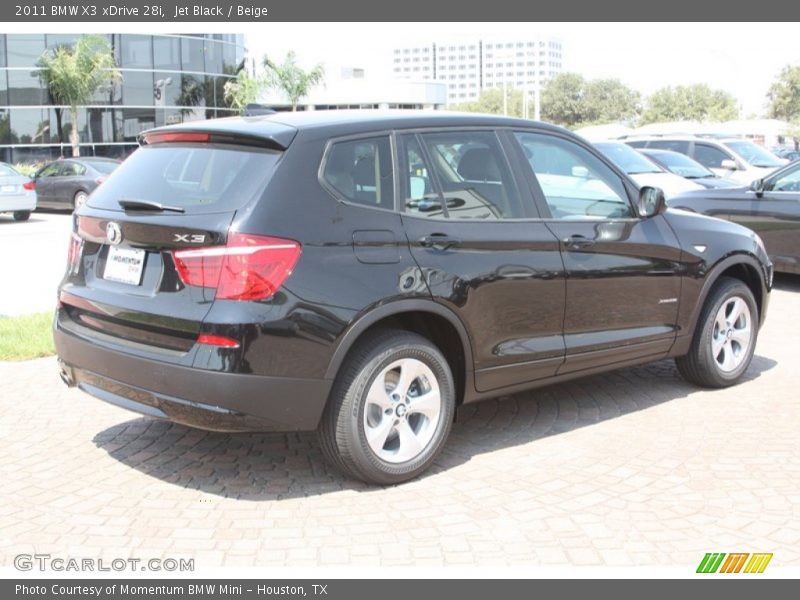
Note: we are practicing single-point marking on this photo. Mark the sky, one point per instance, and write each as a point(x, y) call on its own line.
point(741, 58)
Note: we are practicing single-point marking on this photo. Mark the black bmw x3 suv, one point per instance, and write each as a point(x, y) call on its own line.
point(362, 274)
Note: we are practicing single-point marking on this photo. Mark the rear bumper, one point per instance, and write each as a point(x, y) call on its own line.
point(211, 400)
point(17, 202)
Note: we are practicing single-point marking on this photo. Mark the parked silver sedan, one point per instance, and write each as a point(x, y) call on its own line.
point(17, 193)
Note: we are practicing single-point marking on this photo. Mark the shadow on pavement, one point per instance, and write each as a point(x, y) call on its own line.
point(786, 282)
point(260, 466)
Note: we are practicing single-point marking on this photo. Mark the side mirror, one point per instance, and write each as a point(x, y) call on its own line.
point(729, 164)
point(651, 202)
point(579, 171)
point(758, 186)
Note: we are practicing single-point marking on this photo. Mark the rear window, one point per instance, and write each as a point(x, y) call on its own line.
point(104, 167)
point(200, 178)
point(6, 171)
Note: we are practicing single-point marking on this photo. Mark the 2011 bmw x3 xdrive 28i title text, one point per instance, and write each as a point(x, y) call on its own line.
point(364, 273)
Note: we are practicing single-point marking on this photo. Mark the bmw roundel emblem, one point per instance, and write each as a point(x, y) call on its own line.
point(113, 233)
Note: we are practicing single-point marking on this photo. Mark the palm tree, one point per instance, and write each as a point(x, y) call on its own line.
point(242, 91)
point(73, 74)
point(291, 78)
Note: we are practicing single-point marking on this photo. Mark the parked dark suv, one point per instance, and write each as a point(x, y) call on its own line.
point(364, 273)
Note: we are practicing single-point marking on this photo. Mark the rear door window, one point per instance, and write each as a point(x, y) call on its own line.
point(200, 178)
point(72, 169)
point(474, 176)
point(710, 156)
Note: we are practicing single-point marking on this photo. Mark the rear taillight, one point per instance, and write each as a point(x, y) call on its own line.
point(29, 185)
point(249, 267)
point(100, 180)
point(74, 253)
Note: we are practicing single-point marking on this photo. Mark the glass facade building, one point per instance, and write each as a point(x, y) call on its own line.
point(166, 79)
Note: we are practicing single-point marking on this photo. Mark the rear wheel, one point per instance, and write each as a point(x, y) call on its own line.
point(725, 338)
point(79, 199)
point(22, 215)
point(390, 410)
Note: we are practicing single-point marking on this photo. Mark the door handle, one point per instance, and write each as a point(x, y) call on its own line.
point(578, 241)
point(439, 241)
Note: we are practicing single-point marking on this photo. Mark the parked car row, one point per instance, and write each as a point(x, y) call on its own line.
point(734, 158)
point(61, 184)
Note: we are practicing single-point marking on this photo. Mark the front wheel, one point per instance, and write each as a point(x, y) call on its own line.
point(22, 215)
point(390, 410)
point(725, 338)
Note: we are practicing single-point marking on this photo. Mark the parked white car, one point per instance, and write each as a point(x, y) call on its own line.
point(644, 171)
point(733, 158)
point(17, 193)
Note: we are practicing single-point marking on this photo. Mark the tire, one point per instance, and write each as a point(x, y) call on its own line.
point(22, 215)
point(79, 199)
point(725, 337)
point(373, 431)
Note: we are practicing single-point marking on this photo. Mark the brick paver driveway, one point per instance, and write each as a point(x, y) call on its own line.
point(630, 468)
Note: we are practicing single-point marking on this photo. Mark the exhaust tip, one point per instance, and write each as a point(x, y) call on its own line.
point(66, 374)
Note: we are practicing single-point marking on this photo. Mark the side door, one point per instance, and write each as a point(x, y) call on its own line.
point(44, 183)
point(68, 181)
point(775, 216)
point(475, 233)
point(623, 273)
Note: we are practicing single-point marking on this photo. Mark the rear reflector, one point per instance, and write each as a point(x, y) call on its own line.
point(249, 267)
point(217, 340)
point(29, 185)
point(175, 136)
point(74, 253)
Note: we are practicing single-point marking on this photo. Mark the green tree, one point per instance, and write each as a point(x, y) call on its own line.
point(784, 95)
point(609, 101)
point(573, 101)
point(73, 74)
point(696, 102)
point(562, 100)
point(290, 78)
point(491, 101)
point(243, 90)
point(784, 100)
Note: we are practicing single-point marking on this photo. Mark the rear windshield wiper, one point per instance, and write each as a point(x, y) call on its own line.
point(149, 205)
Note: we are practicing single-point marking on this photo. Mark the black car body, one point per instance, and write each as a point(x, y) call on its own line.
point(67, 183)
point(270, 258)
point(770, 207)
point(687, 167)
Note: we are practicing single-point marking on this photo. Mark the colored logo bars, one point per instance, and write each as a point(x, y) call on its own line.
point(734, 563)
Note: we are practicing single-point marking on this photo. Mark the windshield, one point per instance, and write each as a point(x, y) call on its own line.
point(196, 177)
point(754, 154)
point(628, 159)
point(682, 165)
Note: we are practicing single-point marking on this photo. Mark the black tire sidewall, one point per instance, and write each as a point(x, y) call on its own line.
point(368, 463)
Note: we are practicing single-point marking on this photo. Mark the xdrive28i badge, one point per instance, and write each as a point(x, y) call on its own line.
point(113, 233)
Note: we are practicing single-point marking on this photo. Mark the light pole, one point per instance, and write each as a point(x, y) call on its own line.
point(159, 90)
